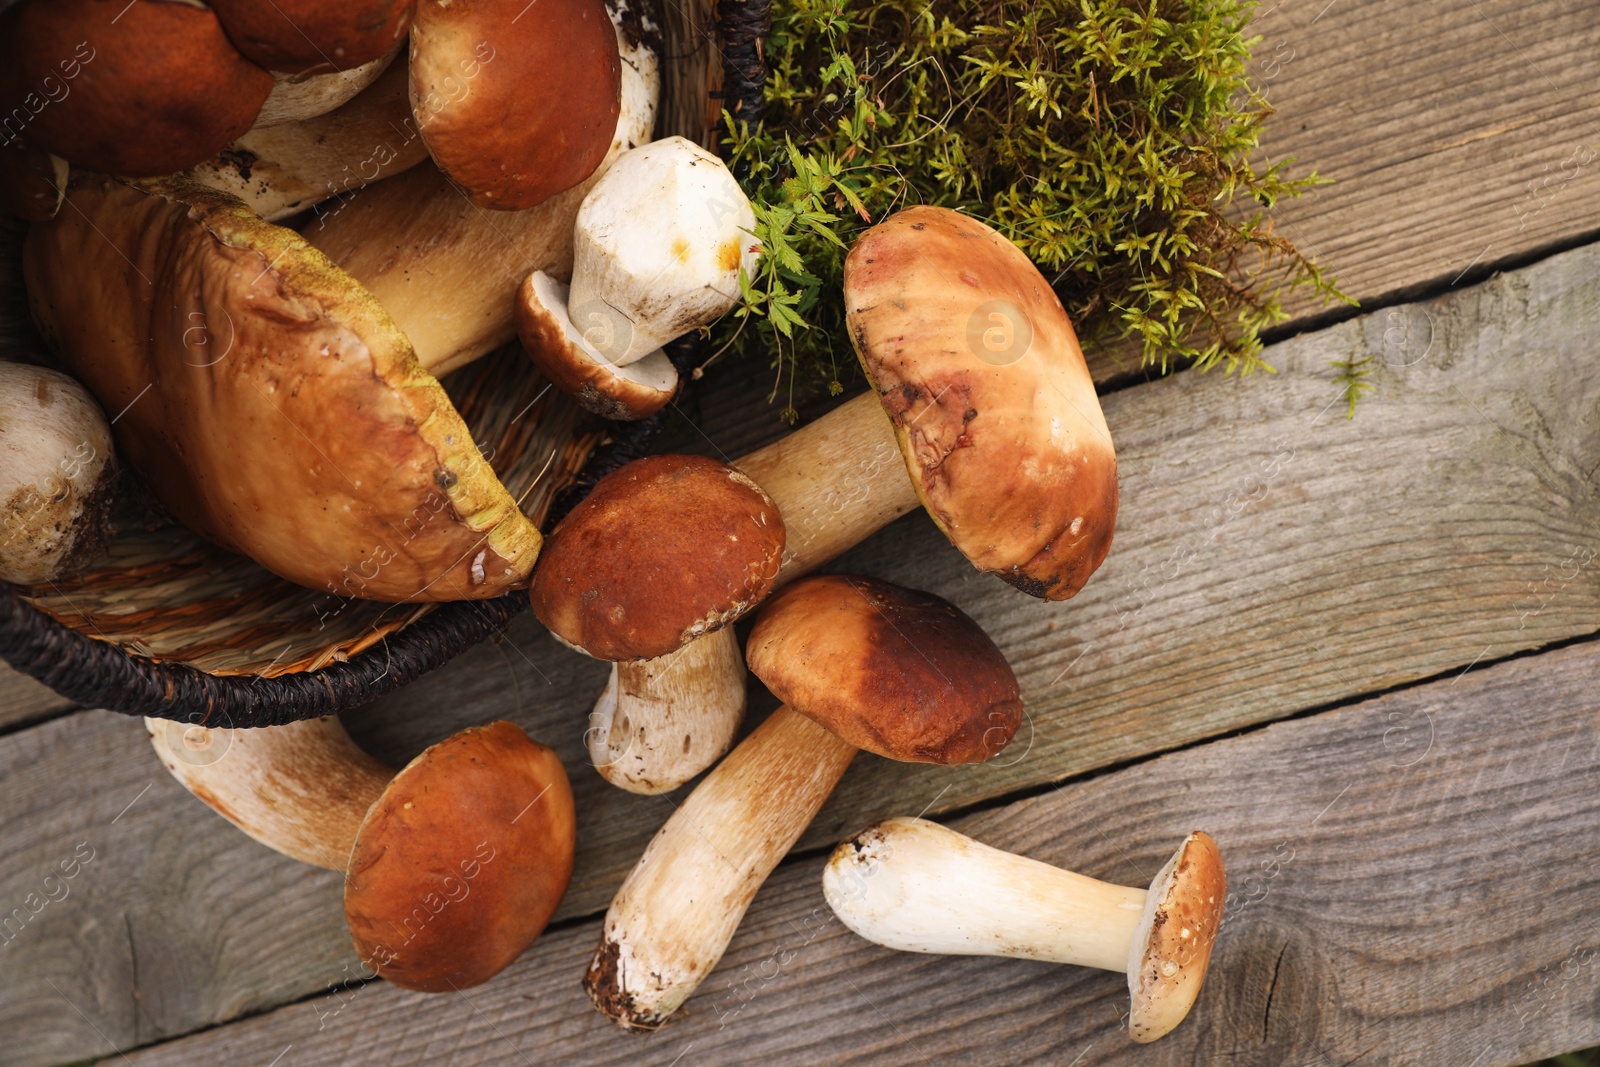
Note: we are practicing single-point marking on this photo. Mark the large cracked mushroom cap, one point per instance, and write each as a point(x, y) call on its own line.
point(901, 673)
point(517, 101)
point(665, 550)
point(993, 406)
point(461, 862)
point(267, 399)
point(131, 89)
point(304, 36)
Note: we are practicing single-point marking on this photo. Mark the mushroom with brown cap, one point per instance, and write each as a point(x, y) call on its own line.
point(131, 89)
point(661, 552)
point(308, 36)
point(916, 886)
point(518, 101)
point(298, 97)
point(660, 242)
point(267, 399)
point(453, 866)
point(859, 663)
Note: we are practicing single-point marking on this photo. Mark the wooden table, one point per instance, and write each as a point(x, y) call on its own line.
point(1359, 652)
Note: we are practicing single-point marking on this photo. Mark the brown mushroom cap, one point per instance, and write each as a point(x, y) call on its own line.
point(132, 89)
point(460, 864)
point(516, 101)
point(1170, 954)
point(304, 36)
point(894, 671)
point(267, 399)
point(662, 551)
point(557, 347)
point(994, 408)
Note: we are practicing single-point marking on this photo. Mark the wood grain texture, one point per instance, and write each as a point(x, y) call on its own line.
point(1383, 910)
point(1272, 557)
point(24, 700)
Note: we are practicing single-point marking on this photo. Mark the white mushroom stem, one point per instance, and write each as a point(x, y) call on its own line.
point(447, 271)
point(916, 886)
point(660, 722)
point(664, 933)
point(280, 170)
point(301, 789)
point(55, 474)
point(836, 482)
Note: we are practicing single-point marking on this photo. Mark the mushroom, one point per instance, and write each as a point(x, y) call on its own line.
point(914, 885)
point(663, 551)
point(284, 169)
point(298, 97)
point(660, 241)
point(859, 663)
point(270, 403)
point(56, 475)
point(447, 270)
point(1020, 430)
point(32, 181)
point(133, 89)
point(452, 867)
point(518, 101)
point(313, 36)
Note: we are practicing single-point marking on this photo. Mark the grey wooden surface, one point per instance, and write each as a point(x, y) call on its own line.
point(1411, 882)
point(1272, 559)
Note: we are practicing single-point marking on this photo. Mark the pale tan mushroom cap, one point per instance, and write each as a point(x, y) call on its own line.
point(1172, 949)
point(992, 403)
point(267, 398)
point(558, 347)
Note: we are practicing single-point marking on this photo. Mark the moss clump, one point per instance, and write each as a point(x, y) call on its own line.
point(1110, 140)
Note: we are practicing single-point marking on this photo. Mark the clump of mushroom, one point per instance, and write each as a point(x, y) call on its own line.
point(56, 473)
point(916, 886)
point(859, 663)
point(650, 571)
point(453, 865)
point(660, 243)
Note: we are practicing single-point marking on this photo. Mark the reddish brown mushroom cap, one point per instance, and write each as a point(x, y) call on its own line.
point(993, 406)
point(662, 551)
point(306, 36)
point(894, 671)
point(516, 101)
point(460, 864)
point(129, 89)
point(1172, 949)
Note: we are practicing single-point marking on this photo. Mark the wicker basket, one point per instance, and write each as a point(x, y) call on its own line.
point(169, 625)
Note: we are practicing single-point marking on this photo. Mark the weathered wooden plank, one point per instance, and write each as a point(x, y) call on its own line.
point(23, 700)
point(1385, 908)
point(1272, 556)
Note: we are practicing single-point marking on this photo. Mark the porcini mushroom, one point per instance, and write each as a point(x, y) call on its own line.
point(268, 401)
point(447, 270)
point(308, 36)
point(130, 89)
point(56, 472)
point(859, 663)
point(661, 552)
point(298, 97)
point(452, 867)
point(914, 885)
point(659, 243)
point(283, 169)
point(518, 101)
point(1020, 430)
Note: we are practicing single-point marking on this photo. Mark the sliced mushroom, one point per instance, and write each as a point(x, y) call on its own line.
point(56, 471)
point(914, 885)
point(859, 663)
point(663, 551)
point(453, 866)
point(284, 169)
point(447, 270)
point(271, 404)
point(660, 241)
point(133, 89)
point(518, 101)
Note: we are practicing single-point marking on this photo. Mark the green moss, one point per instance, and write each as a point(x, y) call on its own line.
point(1110, 140)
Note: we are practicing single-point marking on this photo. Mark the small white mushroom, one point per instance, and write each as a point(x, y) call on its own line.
point(659, 244)
point(55, 475)
point(916, 886)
